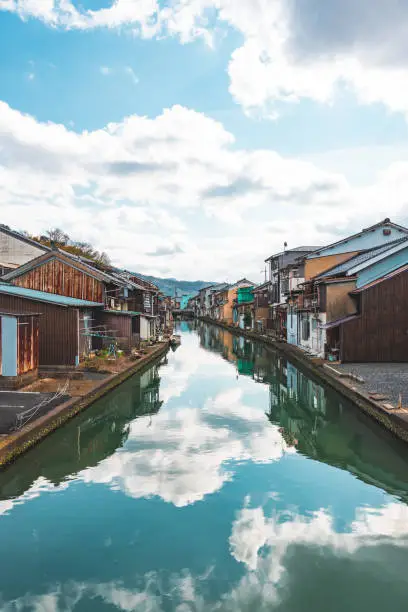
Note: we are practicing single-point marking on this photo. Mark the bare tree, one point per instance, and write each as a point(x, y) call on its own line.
point(57, 235)
point(103, 258)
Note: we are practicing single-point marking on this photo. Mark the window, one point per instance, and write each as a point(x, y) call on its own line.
point(135, 325)
point(305, 329)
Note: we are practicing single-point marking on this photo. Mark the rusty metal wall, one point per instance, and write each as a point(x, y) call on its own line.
point(28, 347)
point(58, 329)
point(62, 279)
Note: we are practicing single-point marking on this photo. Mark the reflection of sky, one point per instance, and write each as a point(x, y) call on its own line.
point(278, 552)
point(205, 503)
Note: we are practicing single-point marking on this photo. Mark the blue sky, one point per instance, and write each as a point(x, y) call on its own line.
point(260, 104)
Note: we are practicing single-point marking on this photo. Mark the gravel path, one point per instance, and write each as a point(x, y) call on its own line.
point(391, 379)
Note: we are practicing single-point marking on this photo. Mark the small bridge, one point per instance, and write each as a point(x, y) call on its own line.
point(183, 313)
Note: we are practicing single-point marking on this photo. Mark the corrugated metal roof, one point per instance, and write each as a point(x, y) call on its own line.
point(77, 262)
point(41, 296)
point(129, 313)
point(262, 286)
point(361, 258)
point(387, 223)
point(301, 249)
point(132, 313)
point(381, 279)
point(219, 287)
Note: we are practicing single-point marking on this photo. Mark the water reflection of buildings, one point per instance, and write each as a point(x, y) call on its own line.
point(88, 438)
point(235, 349)
point(321, 424)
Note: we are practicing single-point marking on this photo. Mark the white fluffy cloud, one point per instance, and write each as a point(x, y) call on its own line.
point(184, 452)
point(292, 49)
point(174, 196)
point(263, 543)
point(181, 455)
point(135, 188)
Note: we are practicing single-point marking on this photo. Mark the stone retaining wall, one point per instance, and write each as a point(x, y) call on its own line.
point(395, 421)
point(13, 445)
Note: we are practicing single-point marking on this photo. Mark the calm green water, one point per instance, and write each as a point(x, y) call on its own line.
point(223, 479)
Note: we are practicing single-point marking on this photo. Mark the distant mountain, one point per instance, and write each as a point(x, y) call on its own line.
point(169, 285)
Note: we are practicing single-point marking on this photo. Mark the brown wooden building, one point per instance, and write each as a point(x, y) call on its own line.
point(261, 307)
point(19, 348)
point(120, 326)
point(62, 324)
point(63, 274)
point(117, 291)
point(379, 330)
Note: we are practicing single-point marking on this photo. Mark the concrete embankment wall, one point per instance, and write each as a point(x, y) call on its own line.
point(15, 444)
point(395, 421)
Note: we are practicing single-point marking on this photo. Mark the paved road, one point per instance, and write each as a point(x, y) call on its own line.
point(18, 408)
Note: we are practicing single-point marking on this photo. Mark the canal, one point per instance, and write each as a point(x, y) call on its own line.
point(221, 479)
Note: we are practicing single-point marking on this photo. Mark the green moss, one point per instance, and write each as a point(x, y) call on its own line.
point(27, 439)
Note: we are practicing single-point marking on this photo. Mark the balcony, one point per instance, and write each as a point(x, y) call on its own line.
point(310, 302)
point(292, 284)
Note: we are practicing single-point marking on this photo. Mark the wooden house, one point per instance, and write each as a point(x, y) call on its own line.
point(63, 323)
point(327, 257)
point(63, 274)
point(145, 302)
point(378, 332)
point(19, 349)
point(286, 274)
point(365, 318)
point(228, 299)
point(261, 307)
point(243, 307)
point(165, 311)
point(325, 291)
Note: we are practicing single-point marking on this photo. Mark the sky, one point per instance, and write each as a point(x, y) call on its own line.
point(192, 138)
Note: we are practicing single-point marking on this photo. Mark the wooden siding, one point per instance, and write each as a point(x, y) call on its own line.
point(380, 334)
point(119, 326)
point(28, 344)
point(54, 276)
point(58, 329)
point(261, 313)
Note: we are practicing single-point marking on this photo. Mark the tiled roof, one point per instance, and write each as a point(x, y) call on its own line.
point(42, 296)
point(399, 270)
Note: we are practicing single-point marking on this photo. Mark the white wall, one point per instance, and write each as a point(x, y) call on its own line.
point(15, 251)
point(148, 326)
point(317, 338)
point(144, 328)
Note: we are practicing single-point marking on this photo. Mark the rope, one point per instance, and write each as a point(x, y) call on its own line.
point(22, 418)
